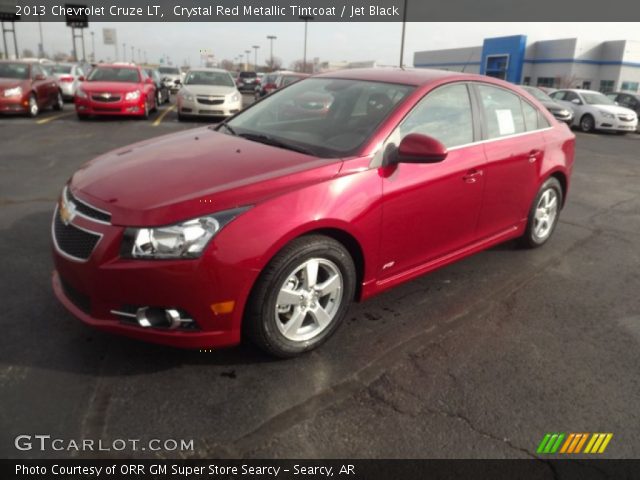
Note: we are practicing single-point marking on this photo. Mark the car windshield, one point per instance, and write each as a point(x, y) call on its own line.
point(14, 70)
point(61, 68)
point(169, 70)
point(325, 117)
point(201, 77)
point(114, 74)
point(597, 99)
point(537, 94)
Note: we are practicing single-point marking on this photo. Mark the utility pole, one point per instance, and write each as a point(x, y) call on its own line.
point(271, 38)
point(93, 47)
point(306, 19)
point(247, 52)
point(404, 25)
point(255, 61)
point(41, 45)
point(133, 54)
point(124, 52)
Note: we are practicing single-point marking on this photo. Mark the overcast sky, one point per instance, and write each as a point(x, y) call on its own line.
point(328, 41)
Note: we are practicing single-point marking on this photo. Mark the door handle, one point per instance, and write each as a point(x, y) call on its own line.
point(472, 176)
point(534, 155)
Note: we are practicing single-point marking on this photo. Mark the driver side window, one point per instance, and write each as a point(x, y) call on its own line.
point(444, 114)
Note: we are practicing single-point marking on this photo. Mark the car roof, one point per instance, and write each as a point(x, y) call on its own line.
point(406, 76)
point(578, 90)
point(208, 69)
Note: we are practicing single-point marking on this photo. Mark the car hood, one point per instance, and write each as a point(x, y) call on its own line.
point(117, 87)
point(12, 82)
point(615, 109)
point(551, 105)
point(192, 173)
point(219, 90)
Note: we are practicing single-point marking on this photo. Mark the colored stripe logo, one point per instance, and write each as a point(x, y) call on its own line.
point(567, 443)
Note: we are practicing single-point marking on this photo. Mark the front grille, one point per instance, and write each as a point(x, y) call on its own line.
point(87, 210)
point(210, 101)
point(80, 300)
point(101, 97)
point(210, 112)
point(73, 241)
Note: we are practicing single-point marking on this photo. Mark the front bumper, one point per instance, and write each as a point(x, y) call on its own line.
point(616, 125)
point(14, 105)
point(94, 288)
point(87, 106)
point(195, 108)
point(68, 89)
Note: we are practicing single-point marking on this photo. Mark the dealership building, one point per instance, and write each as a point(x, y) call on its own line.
point(564, 63)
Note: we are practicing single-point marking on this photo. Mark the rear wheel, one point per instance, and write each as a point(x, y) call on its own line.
point(544, 214)
point(301, 297)
point(587, 123)
point(59, 103)
point(158, 98)
point(34, 109)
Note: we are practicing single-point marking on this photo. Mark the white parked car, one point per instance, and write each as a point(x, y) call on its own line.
point(69, 76)
point(595, 111)
point(208, 92)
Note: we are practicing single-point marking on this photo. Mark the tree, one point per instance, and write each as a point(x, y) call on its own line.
point(60, 57)
point(27, 53)
point(275, 65)
point(299, 66)
point(227, 65)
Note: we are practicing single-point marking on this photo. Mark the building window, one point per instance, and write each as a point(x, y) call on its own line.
point(527, 81)
point(630, 86)
point(606, 86)
point(586, 85)
point(497, 66)
point(549, 82)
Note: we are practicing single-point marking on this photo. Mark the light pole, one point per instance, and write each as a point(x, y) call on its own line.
point(247, 52)
point(124, 52)
point(41, 46)
point(306, 19)
point(93, 47)
point(404, 25)
point(271, 38)
point(255, 58)
point(133, 56)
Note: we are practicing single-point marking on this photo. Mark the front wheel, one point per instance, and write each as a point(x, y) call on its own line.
point(544, 214)
point(301, 297)
point(34, 109)
point(59, 103)
point(587, 124)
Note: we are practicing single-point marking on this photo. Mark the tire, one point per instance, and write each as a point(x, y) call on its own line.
point(158, 99)
point(621, 133)
point(145, 115)
point(315, 316)
point(154, 107)
point(587, 123)
point(543, 215)
point(59, 103)
point(181, 117)
point(34, 109)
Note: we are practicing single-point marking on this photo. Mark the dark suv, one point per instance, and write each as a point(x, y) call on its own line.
point(247, 81)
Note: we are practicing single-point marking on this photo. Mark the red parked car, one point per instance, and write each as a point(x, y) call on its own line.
point(116, 90)
point(27, 88)
point(269, 227)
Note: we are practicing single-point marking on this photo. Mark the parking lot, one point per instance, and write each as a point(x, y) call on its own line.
point(479, 359)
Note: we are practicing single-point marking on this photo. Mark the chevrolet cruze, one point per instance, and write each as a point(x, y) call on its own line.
point(270, 224)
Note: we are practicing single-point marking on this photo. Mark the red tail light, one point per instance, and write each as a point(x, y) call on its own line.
point(66, 79)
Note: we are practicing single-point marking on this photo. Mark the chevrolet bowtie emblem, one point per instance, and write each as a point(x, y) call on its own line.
point(67, 211)
point(106, 95)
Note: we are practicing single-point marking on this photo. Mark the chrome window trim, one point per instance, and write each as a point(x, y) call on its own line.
point(62, 252)
point(80, 214)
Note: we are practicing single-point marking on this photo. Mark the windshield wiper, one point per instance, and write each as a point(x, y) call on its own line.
point(224, 124)
point(274, 142)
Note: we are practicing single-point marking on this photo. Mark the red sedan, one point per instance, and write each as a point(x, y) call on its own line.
point(27, 88)
point(116, 90)
point(268, 226)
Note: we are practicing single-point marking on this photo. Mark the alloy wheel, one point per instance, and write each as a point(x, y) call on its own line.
point(546, 213)
point(33, 106)
point(309, 299)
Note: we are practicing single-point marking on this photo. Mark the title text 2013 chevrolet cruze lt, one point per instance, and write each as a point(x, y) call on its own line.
point(270, 224)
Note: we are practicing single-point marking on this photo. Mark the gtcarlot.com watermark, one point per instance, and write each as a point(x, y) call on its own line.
point(47, 443)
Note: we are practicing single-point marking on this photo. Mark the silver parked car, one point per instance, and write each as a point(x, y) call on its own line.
point(69, 76)
point(210, 92)
point(171, 77)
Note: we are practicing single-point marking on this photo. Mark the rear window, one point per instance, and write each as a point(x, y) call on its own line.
point(248, 75)
point(14, 70)
point(61, 68)
point(169, 70)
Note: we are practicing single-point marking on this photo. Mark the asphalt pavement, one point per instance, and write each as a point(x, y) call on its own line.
point(479, 359)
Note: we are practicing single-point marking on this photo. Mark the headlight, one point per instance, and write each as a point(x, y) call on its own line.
point(183, 240)
point(135, 95)
point(186, 96)
point(81, 93)
point(606, 114)
point(234, 98)
point(13, 92)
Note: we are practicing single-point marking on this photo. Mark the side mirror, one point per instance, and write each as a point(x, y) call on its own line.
point(418, 148)
point(576, 101)
point(81, 78)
